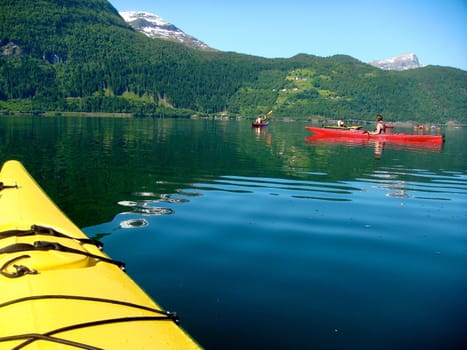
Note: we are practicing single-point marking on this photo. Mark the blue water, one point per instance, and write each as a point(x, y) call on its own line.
point(261, 239)
point(376, 263)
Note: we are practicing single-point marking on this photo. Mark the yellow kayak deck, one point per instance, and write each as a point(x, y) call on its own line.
point(59, 290)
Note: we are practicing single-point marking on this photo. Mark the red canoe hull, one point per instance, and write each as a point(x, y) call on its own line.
point(259, 125)
point(363, 135)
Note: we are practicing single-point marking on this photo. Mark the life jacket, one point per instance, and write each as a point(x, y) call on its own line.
point(383, 127)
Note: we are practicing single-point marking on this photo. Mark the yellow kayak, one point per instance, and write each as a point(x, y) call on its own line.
point(58, 290)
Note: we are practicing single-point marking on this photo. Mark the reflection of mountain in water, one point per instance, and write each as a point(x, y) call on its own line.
point(87, 171)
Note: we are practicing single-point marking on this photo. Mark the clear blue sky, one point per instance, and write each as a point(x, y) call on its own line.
point(435, 30)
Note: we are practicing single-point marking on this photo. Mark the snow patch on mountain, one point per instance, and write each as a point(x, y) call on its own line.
point(154, 26)
point(401, 62)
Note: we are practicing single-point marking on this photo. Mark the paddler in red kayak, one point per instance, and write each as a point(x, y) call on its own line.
point(380, 129)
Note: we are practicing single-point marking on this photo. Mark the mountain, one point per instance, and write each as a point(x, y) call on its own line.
point(81, 56)
point(154, 26)
point(399, 63)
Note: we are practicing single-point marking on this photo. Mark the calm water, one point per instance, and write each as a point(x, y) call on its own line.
point(265, 240)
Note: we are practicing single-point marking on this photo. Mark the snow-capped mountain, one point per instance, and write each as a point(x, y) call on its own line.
point(402, 62)
point(154, 26)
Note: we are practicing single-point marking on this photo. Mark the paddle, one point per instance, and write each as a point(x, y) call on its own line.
point(262, 118)
point(266, 115)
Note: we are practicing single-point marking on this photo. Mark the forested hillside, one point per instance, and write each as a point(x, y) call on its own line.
point(79, 55)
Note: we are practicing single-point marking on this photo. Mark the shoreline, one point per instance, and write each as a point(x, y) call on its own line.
point(312, 120)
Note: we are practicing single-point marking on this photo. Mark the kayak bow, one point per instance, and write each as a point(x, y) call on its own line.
point(59, 290)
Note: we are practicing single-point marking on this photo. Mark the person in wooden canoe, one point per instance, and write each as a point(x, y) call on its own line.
point(340, 123)
point(380, 129)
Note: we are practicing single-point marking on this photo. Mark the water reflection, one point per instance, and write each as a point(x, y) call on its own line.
point(398, 189)
point(262, 133)
point(415, 183)
point(379, 146)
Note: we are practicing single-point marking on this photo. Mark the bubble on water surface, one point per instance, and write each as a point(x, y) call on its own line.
point(153, 210)
point(144, 194)
point(134, 223)
point(127, 203)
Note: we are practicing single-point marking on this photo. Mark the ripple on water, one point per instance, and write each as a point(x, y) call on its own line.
point(133, 223)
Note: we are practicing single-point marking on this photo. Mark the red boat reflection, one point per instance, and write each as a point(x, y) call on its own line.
point(351, 141)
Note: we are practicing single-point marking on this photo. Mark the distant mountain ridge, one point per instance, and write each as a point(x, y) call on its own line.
point(399, 63)
point(154, 26)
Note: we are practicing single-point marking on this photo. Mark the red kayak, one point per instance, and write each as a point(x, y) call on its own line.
point(259, 125)
point(386, 137)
